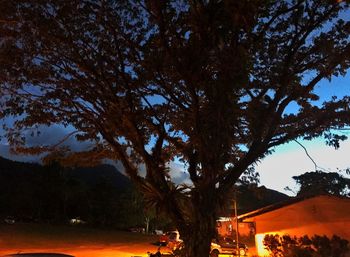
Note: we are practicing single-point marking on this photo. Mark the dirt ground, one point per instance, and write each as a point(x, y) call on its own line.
point(76, 241)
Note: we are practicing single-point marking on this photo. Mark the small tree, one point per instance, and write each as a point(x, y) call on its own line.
point(319, 182)
point(208, 82)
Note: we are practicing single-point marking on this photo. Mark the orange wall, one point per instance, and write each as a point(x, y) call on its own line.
point(322, 215)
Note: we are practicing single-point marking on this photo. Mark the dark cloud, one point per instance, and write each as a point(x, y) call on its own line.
point(5, 153)
point(51, 135)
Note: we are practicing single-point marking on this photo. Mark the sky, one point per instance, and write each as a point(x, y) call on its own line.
point(276, 170)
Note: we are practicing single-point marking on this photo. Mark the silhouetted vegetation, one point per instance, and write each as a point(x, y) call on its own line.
point(217, 84)
point(100, 196)
point(316, 246)
point(318, 182)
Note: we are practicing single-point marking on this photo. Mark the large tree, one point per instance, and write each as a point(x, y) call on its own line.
point(216, 84)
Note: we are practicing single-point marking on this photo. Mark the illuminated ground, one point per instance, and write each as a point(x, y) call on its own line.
point(76, 241)
point(73, 240)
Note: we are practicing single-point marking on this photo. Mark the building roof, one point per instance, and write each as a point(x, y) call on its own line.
point(283, 204)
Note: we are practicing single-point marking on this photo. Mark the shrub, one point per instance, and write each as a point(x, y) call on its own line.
point(317, 246)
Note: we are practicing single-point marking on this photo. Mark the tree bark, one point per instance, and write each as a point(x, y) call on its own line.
point(199, 233)
point(198, 244)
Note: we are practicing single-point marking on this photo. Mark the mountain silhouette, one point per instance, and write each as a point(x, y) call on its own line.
point(249, 197)
point(90, 175)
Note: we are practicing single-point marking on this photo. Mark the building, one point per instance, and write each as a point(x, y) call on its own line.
point(318, 215)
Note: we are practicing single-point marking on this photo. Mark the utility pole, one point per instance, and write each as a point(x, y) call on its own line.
point(236, 217)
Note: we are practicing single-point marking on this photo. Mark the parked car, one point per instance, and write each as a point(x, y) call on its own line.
point(170, 239)
point(163, 239)
point(221, 245)
point(137, 230)
point(10, 220)
point(227, 245)
point(158, 232)
point(76, 221)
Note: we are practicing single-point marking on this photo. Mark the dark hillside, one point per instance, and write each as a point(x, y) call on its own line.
point(18, 170)
point(252, 197)
point(93, 175)
point(55, 194)
point(99, 194)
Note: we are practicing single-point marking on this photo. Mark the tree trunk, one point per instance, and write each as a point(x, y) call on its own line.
point(198, 244)
point(202, 229)
point(147, 220)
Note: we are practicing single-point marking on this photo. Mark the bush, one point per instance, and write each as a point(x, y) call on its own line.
point(317, 246)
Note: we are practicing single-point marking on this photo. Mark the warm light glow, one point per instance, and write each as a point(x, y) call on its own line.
point(259, 238)
point(259, 243)
point(89, 250)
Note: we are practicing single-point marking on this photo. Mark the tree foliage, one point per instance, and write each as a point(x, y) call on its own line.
point(316, 246)
point(210, 83)
point(318, 182)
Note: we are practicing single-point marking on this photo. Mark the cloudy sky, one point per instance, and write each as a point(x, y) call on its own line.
point(276, 170)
